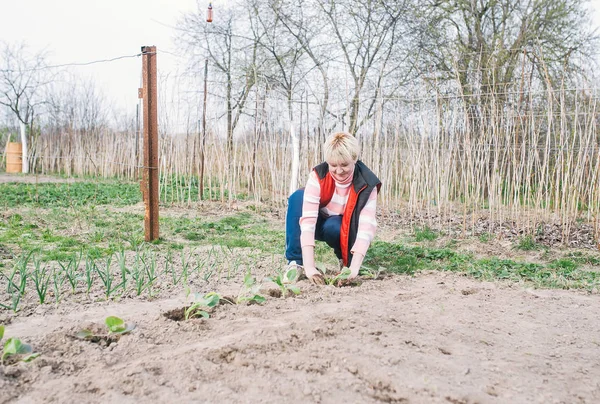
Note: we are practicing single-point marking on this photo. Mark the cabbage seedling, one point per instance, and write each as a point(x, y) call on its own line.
point(339, 278)
point(115, 325)
point(208, 301)
point(370, 273)
point(280, 278)
point(249, 291)
point(14, 347)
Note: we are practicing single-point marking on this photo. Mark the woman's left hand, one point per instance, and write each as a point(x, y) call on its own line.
point(353, 272)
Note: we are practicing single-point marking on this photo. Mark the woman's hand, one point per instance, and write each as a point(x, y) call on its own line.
point(353, 273)
point(310, 269)
point(314, 275)
point(357, 260)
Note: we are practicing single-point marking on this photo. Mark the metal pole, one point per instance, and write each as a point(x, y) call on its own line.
point(150, 121)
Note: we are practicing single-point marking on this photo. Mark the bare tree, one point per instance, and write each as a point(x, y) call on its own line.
point(305, 25)
point(233, 56)
point(23, 77)
point(366, 34)
point(281, 67)
point(490, 38)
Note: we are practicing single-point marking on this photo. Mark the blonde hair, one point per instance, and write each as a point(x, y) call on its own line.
point(341, 147)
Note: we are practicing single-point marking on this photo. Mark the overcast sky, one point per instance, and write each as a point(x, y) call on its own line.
point(82, 31)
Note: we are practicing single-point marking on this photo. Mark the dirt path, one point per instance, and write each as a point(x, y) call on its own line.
point(433, 338)
point(33, 178)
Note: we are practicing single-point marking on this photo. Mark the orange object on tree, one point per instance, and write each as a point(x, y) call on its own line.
point(209, 13)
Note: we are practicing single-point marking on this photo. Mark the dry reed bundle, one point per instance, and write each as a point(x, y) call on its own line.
point(532, 161)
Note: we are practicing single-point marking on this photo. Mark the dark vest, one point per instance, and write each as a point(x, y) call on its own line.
point(363, 183)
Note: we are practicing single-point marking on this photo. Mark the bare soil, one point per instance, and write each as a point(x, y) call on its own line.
point(436, 337)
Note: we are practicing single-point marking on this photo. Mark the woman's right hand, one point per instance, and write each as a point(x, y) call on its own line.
point(314, 275)
point(310, 269)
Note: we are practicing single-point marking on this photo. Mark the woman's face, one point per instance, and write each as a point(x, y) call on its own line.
point(340, 171)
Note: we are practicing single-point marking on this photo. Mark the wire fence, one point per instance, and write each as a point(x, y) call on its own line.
point(433, 147)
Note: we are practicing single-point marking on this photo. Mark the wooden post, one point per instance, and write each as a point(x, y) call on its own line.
point(150, 122)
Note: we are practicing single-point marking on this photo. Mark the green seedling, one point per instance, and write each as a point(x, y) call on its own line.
point(370, 273)
point(151, 272)
point(58, 279)
point(282, 280)
point(10, 284)
point(105, 275)
point(1, 332)
point(424, 234)
point(90, 268)
point(41, 279)
point(201, 304)
point(249, 292)
point(138, 276)
point(123, 268)
point(184, 271)
point(70, 270)
point(339, 278)
point(14, 347)
point(20, 268)
point(15, 298)
point(209, 272)
point(115, 325)
point(199, 267)
point(143, 275)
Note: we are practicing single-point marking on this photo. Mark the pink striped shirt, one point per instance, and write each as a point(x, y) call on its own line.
point(367, 224)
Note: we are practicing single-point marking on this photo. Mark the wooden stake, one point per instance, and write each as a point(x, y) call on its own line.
point(150, 178)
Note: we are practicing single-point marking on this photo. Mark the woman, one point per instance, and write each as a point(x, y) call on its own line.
point(337, 206)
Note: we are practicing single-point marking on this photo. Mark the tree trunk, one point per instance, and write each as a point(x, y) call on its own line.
point(295, 149)
point(25, 149)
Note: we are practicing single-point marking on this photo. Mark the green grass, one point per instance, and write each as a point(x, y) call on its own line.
point(69, 194)
point(238, 230)
point(402, 259)
point(57, 233)
point(60, 220)
point(424, 234)
point(486, 237)
point(583, 258)
point(527, 243)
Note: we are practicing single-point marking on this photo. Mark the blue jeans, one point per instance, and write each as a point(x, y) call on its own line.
point(327, 229)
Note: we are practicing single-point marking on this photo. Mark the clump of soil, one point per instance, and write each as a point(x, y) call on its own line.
point(347, 283)
point(97, 335)
point(179, 314)
point(274, 292)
